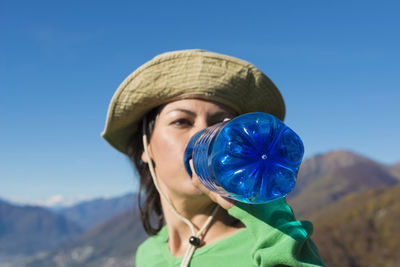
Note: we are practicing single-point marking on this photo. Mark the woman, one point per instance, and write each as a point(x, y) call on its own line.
point(151, 118)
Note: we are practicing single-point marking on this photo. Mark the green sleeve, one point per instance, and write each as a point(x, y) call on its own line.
point(279, 240)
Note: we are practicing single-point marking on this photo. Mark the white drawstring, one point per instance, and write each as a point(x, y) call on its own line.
point(191, 247)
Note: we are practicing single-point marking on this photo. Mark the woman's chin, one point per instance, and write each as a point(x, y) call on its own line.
point(193, 191)
point(190, 191)
point(185, 188)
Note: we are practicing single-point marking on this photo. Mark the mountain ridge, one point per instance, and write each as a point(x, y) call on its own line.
point(324, 163)
point(31, 229)
point(338, 174)
point(90, 213)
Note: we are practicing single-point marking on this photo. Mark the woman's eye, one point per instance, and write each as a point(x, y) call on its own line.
point(182, 122)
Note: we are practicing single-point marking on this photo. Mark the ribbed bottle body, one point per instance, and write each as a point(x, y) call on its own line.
point(253, 158)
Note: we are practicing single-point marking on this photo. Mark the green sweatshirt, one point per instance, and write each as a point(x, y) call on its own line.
point(272, 237)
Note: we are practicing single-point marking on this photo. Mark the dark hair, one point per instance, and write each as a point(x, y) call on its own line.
point(149, 203)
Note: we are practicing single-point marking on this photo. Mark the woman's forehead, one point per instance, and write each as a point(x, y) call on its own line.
point(194, 104)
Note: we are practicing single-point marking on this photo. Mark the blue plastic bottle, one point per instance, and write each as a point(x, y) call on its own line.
point(253, 158)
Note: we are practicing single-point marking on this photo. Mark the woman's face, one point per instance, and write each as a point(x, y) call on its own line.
point(177, 122)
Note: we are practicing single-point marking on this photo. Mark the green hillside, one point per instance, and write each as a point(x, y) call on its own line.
point(334, 181)
point(361, 229)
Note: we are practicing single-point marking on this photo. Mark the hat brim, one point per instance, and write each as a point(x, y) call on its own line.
point(232, 82)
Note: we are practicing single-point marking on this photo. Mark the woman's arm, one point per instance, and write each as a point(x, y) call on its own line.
point(278, 238)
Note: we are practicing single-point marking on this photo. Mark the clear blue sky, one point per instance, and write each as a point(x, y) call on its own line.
point(336, 63)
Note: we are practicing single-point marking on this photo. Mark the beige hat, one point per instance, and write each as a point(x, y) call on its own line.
point(188, 74)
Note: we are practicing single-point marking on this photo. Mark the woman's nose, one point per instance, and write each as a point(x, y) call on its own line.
point(200, 125)
point(204, 124)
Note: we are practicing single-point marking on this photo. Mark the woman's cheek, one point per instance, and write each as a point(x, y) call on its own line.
point(168, 149)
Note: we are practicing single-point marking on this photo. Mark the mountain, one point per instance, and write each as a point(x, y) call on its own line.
point(91, 213)
point(25, 230)
point(395, 170)
point(325, 179)
point(321, 164)
point(112, 243)
point(360, 229)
